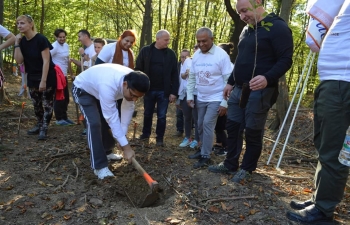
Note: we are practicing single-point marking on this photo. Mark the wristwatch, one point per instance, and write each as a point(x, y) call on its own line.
point(82, 55)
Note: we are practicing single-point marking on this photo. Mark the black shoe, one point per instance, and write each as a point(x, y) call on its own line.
point(34, 130)
point(300, 205)
point(202, 162)
point(221, 152)
point(220, 168)
point(160, 143)
point(196, 155)
point(216, 148)
point(143, 137)
point(309, 215)
point(42, 135)
point(179, 134)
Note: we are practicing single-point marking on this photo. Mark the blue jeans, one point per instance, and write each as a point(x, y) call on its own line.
point(149, 101)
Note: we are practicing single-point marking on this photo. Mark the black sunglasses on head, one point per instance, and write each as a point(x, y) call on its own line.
point(29, 17)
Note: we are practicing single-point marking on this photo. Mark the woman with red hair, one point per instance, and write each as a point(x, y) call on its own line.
point(119, 52)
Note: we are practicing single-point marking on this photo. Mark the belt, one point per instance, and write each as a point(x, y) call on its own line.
point(238, 86)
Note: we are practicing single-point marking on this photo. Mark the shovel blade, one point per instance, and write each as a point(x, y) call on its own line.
point(150, 199)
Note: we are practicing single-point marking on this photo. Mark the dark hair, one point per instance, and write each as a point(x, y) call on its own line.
point(58, 31)
point(186, 50)
point(84, 32)
point(228, 47)
point(138, 81)
point(100, 40)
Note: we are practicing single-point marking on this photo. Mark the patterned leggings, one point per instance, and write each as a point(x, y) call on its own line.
point(43, 105)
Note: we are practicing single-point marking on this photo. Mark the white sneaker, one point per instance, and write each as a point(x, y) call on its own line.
point(114, 157)
point(103, 173)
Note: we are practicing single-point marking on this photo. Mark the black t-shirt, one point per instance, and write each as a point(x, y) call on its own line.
point(33, 61)
point(156, 75)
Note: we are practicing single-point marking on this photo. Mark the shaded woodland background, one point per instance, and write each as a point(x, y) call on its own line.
point(108, 18)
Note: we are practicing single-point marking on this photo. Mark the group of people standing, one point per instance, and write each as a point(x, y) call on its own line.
point(212, 93)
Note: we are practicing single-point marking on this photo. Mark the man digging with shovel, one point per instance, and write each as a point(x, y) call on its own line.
point(97, 90)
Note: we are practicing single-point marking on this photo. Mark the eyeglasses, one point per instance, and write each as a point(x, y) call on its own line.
point(132, 95)
point(29, 17)
point(182, 57)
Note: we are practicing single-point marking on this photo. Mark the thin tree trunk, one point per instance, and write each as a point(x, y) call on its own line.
point(42, 16)
point(146, 32)
point(160, 15)
point(175, 43)
point(3, 96)
point(237, 29)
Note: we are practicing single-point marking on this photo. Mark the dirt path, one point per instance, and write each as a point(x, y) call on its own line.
point(51, 182)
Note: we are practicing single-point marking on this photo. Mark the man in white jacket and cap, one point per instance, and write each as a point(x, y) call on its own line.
point(97, 90)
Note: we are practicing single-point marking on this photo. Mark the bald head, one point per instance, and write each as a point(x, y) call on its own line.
point(162, 39)
point(248, 13)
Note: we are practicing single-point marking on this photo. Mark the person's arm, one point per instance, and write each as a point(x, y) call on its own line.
point(282, 46)
point(86, 57)
point(174, 81)
point(45, 54)
point(185, 69)
point(140, 61)
point(53, 51)
point(76, 62)
point(10, 40)
point(111, 114)
point(231, 79)
point(18, 53)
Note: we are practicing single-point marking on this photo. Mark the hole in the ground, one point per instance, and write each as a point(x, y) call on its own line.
point(135, 190)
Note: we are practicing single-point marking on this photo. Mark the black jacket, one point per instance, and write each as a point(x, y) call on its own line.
point(274, 52)
point(171, 74)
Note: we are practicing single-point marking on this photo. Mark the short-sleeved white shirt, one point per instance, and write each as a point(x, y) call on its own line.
point(108, 51)
point(4, 32)
point(91, 52)
point(60, 55)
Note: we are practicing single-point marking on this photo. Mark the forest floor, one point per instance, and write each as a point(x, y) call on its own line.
point(51, 182)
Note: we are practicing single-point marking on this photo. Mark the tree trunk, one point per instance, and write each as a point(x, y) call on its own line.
point(283, 98)
point(3, 96)
point(146, 32)
point(1, 22)
point(180, 10)
point(42, 16)
point(237, 29)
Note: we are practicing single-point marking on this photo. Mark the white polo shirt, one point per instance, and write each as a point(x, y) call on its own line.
point(91, 52)
point(108, 51)
point(60, 55)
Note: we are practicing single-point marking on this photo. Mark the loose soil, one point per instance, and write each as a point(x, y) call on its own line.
point(51, 182)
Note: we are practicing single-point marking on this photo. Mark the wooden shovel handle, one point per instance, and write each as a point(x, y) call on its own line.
point(82, 64)
point(147, 177)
